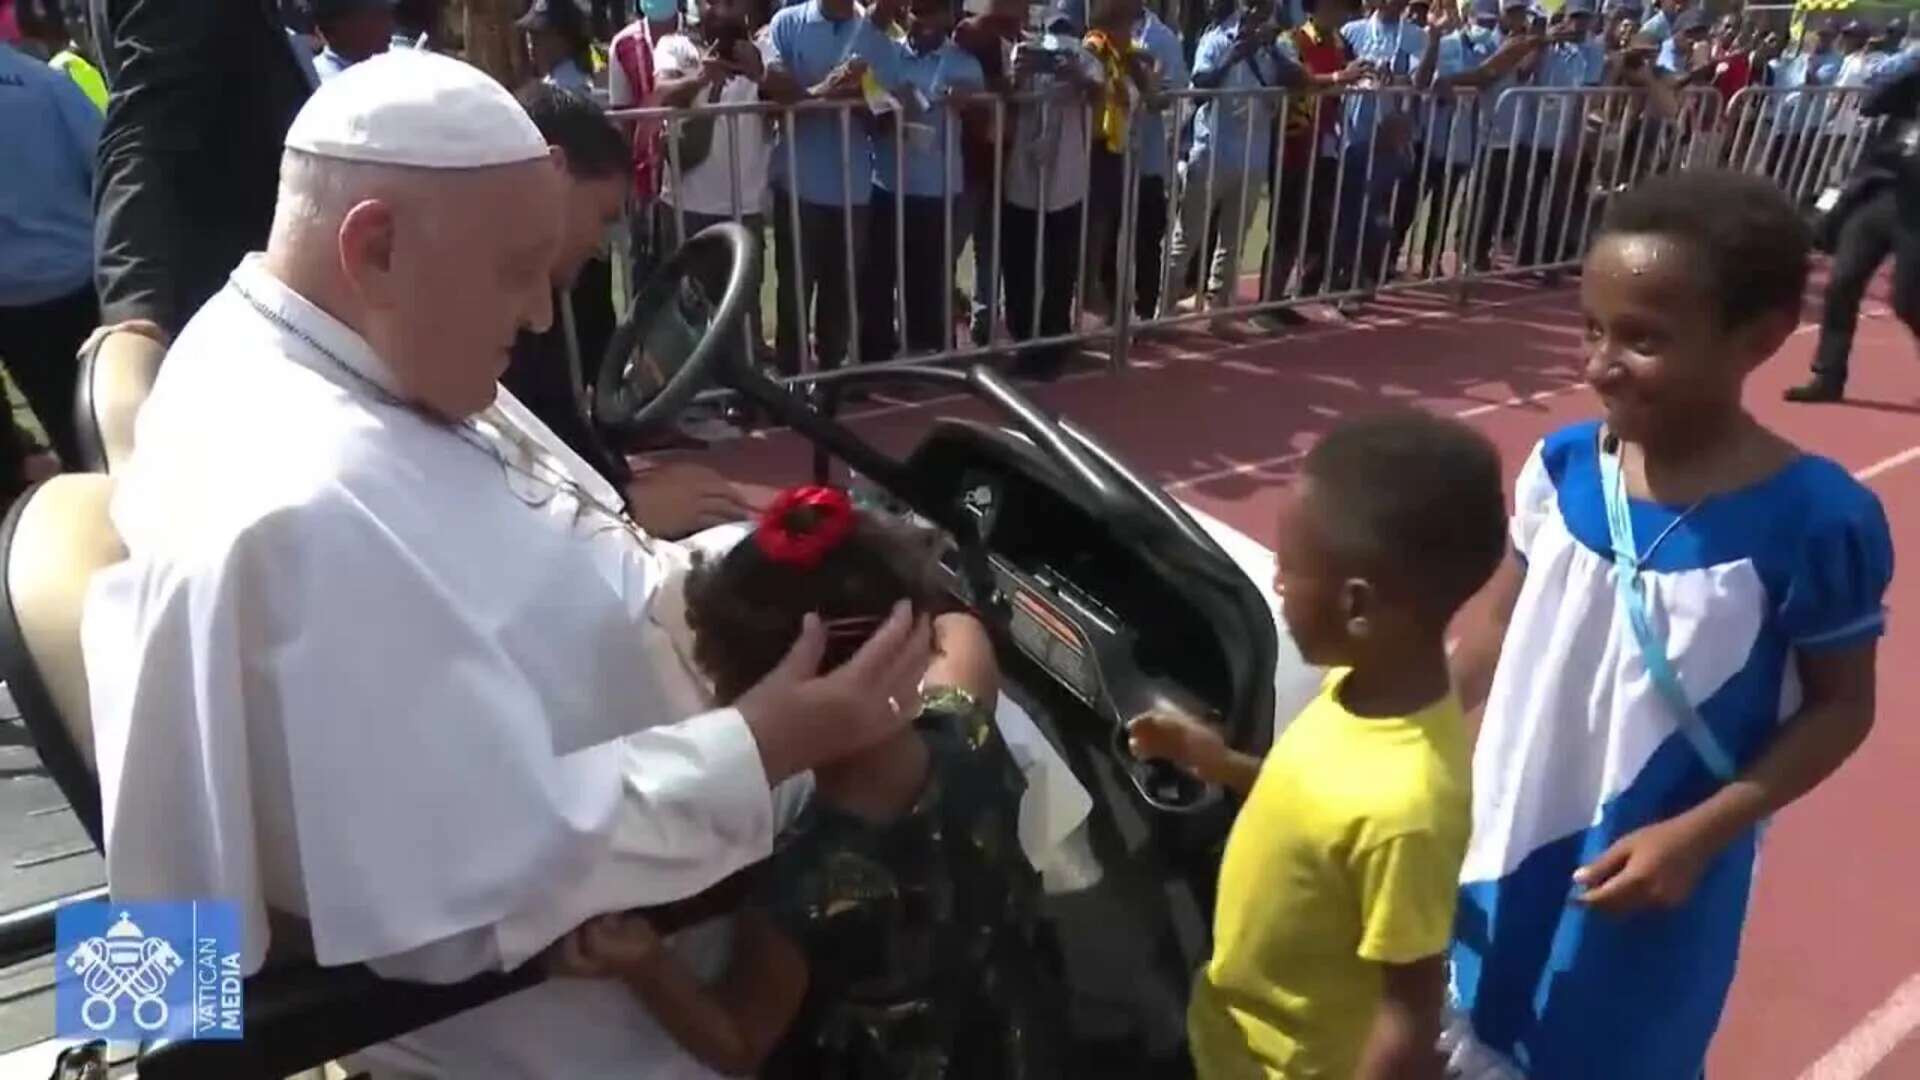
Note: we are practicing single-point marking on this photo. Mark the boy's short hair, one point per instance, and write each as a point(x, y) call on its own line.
point(577, 124)
point(1418, 497)
point(1749, 239)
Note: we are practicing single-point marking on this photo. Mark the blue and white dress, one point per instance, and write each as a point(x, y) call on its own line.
point(1578, 749)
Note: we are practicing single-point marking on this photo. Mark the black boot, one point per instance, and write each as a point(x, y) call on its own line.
point(1818, 388)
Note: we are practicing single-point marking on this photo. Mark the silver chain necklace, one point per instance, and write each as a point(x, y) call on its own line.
point(553, 476)
point(1612, 444)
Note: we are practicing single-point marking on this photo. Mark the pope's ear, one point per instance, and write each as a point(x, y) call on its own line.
point(366, 247)
point(558, 155)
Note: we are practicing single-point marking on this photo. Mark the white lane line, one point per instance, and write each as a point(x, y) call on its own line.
point(1245, 467)
point(1911, 453)
point(1871, 1040)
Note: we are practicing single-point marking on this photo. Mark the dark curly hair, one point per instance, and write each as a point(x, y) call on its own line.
point(1749, 241)
point(745, 609)
point(1417, 497)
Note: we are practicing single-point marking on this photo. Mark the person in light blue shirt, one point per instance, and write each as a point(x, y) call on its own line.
point(1481, 57)
point(1500, 187)
point(1896, 66)
point(1572, 61)
point(350, 31)
point(1225, 172)
point(1379, 137)
point(1795, 140)
point(1152, 164)
point(822, 50)
point(1661, 25)
point(1679, 52)
point(48, 133)
point(918, 183)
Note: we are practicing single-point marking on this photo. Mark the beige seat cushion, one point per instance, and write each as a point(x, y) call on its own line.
point(119, 377)
point(63, 536)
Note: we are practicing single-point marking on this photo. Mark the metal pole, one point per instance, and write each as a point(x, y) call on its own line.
point(1393, 197)
point(1239, 222)
point(1124, 243)
point(732, 122)
point(901, 341)
point(1599, 140)
point(1366, 194)
point(1329, 285)
point(1275, 188)
point(852, 354)
point(802, 303)
point(679, 177)
point(1542, 227)
point(1199, 249)
point(948, 123)
point(1076, 300)
point(1171, 196)
point(1045, 170)
point(994, 285)
point(1307, 204)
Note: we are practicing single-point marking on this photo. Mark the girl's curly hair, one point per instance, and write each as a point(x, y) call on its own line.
point(745, 609)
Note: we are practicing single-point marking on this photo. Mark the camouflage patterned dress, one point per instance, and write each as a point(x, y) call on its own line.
point(922, 936)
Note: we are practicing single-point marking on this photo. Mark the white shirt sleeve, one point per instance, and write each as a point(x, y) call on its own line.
point(1534, 499)
point(683, 783)
point(675, 57)
point(345, 740)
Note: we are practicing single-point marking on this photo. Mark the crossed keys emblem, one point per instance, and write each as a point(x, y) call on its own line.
point(124, 962)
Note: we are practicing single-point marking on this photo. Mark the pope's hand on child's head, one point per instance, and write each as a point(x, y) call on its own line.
point(1653, 867)
point(1193, 745)
point(801, 718)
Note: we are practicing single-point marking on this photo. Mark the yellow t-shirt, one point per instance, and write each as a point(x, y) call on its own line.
point(1346, 856)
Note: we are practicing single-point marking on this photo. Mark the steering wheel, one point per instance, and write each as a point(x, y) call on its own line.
point(675, 341)
point(678, 336)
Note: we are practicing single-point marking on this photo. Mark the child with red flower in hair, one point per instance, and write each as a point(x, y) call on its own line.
point(894, 930)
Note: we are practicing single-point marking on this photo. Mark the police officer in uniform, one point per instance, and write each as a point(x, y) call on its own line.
point(1878, 215)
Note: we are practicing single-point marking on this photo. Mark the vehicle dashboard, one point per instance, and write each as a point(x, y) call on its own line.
point(1118, 634)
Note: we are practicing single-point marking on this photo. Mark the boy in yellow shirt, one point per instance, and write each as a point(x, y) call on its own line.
point(1337, 888)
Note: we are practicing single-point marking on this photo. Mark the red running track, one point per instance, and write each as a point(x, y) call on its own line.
point(1829, 983)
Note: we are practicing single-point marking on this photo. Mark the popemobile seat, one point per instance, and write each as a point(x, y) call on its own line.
point(117, 370)
point(297, 1016)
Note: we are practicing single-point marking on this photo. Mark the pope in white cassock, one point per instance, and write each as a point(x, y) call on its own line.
point(386, 660)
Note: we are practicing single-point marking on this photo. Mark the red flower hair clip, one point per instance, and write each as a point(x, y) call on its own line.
point(804, 525)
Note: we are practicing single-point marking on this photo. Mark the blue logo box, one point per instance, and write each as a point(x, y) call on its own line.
point(136, 972)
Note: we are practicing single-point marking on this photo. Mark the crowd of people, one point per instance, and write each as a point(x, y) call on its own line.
point(1096, 98)
point(362, 515)
point(1364, 134)
point(1104, 97)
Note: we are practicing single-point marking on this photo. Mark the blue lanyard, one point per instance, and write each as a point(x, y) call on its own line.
point(1634, 601)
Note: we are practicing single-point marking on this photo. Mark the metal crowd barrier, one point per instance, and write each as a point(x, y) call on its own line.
point(1805, 139)
point(1364, 191)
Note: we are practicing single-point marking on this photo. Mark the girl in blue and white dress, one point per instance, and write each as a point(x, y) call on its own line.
point(1636, 738)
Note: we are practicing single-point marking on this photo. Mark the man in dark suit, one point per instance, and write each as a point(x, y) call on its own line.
point(202, 93)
